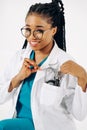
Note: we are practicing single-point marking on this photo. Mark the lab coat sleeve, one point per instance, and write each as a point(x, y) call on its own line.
point(4, 94)
point(76, 100)
point(6, 76)
point(79, 104)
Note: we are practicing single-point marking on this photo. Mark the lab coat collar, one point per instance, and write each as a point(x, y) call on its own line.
point(51, 60)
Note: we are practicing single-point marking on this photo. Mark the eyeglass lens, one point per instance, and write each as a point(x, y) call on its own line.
point(26, 32)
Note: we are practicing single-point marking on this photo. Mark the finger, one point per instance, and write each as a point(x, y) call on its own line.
point(63, 66)
point(10, 88)
point(31, 63)
point(67, 70)
point(63, 69)
point(26, 64)
point(35, 70)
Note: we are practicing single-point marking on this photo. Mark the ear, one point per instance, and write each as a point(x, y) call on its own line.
point(54, 30)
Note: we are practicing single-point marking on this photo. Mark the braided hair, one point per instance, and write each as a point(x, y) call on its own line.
point(54, 12)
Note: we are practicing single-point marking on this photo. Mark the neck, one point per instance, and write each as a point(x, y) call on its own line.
point(43, 53)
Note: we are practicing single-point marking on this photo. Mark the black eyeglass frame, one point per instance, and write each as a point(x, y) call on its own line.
point(35, 31)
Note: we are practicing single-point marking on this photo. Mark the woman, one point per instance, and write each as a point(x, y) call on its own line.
point(43, 84)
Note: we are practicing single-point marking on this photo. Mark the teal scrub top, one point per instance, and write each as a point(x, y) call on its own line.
point(24, 99)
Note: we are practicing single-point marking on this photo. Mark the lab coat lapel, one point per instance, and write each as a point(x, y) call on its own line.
point(26, 52)
point(52, 59)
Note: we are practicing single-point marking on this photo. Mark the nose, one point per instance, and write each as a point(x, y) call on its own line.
point(31, 37)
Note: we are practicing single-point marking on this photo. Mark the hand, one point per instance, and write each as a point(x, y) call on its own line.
point(76, 70)
point(28, 67)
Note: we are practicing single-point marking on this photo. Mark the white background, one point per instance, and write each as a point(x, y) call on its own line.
point(12, 16)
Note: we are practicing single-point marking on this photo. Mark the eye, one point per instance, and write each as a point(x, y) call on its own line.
point(28, 29)
point(39, 31)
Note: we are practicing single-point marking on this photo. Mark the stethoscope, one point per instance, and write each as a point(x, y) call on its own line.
point(56, 81)
point(56, 76)
point(52, 76)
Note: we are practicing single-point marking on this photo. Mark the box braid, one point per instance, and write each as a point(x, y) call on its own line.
point(54, 12)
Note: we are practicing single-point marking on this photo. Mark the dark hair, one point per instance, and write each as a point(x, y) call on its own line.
point(54, 11)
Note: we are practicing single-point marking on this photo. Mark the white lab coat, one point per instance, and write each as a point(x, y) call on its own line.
point(53, 108)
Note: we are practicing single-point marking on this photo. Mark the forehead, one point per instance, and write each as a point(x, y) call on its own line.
point(36, 20)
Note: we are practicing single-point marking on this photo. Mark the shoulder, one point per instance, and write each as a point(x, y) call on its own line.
point(64, 56)
point(60, 55)
point(21, 54)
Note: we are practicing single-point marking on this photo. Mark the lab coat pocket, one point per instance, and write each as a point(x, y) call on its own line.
point(50, 94)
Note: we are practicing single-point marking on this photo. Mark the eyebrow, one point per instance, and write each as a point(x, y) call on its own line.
point(38, 26)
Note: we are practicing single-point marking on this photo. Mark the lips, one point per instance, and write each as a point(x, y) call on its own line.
point(34, 43)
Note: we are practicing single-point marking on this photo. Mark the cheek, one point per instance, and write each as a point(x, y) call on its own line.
point(45, 41)
point(47, 38)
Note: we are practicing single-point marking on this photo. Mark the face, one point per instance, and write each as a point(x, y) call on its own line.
point(36, 25)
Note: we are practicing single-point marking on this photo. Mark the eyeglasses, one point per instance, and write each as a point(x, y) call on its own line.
point(38, 34)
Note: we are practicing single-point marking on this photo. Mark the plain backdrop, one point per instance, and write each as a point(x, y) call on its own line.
point(12, 17)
